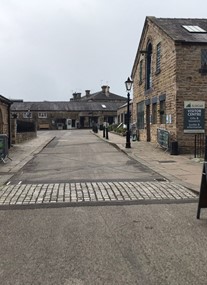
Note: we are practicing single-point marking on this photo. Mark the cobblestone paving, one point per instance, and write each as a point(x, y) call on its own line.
point(22, 194)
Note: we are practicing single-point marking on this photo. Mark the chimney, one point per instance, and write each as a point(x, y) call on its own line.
point(105, 89)
point(88, 93)
point(76, 96)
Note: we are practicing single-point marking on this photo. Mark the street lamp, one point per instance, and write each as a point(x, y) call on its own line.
point(128, 84)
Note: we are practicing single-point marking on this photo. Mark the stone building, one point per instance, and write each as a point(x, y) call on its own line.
point(5, 128)
point(170, 74)
point(79, 112)
point(122, 113)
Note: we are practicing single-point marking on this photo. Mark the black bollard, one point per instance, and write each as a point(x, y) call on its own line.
point(104, 131)
point(107, 134)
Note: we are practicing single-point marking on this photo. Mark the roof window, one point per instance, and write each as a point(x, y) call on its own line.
point(194, 29)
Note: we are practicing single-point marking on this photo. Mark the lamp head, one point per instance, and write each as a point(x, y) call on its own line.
point(128, 84)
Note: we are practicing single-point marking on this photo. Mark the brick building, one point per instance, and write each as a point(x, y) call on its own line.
point(170, 74)
point(79, 112)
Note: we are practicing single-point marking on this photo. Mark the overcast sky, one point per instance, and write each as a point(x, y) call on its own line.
point(52, 48)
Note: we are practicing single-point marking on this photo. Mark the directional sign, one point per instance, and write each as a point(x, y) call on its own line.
point(194, 116)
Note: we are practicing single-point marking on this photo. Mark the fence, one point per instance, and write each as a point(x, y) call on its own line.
point(199, 145)
point(25, 127)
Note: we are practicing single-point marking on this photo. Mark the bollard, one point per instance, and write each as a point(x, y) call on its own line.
point(107, 134)
point(104, 132)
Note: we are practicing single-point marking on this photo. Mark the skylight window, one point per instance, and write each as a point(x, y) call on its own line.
point(194, 29)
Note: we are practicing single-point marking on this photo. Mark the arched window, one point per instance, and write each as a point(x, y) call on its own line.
point(149, 67)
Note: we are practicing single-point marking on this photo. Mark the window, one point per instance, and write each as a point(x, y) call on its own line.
point(204, 58)
point(162, 112)
point(122, 118)
point(42, 115)
point(149, 67)
point(140, 115)
point(154, 113)
point(140, 71)
point(14, 115)
point(194, 29)
point(158, 58)
point(27, 115)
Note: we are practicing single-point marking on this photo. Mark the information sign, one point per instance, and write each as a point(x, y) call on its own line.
point(194, 117)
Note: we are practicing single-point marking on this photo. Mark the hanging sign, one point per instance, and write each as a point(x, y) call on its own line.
point(194, 117)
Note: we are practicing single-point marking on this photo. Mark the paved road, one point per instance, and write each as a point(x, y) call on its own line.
point(75, 156)
point(78, 167)
point(144, 244)
point(158, 241)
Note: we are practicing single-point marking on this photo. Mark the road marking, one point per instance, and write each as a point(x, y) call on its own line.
point(21, 194)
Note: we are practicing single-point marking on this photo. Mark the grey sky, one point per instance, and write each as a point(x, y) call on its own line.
point(52, 48)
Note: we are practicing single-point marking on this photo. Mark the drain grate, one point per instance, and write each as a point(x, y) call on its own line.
point(166, 161)
point(161, 179)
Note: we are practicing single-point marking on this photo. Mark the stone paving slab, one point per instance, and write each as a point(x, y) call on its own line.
point(29, 194)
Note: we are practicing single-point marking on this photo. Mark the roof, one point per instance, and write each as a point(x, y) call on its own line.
point(173, 27)
point(103, 96)
point(5, 100)
point(72, 106)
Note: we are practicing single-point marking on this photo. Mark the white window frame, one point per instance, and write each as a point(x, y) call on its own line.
point(42, 115)
point(27, 115)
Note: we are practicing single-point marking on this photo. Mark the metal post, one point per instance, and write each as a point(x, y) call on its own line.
point(104, 132)
point(128, 143)
point(205, 155)
point(107, 133)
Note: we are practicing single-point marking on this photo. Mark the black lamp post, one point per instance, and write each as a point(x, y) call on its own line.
point(128, 84)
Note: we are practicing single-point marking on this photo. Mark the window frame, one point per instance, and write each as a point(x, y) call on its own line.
point(162, 112)
point(203, 69)
point(27, 115)
point(141, 71)
point(158, 58)
point(154, 113)
point(140, 115)
point(42, 116)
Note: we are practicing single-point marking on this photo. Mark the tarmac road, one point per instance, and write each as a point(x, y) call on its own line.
point(153, 244)
point(80, 156)
point(139, 244)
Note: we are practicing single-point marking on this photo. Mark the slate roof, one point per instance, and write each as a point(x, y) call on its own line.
point(72, 106)
point(102, 96)
point(173, 27)
point(5, 100)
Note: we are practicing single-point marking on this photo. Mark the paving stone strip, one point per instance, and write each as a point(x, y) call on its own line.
point(81, 192)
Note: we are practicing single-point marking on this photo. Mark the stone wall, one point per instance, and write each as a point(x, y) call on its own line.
point(20, 137)
point(163, 82)
point(179, 80)
point(191, 85)
point(4, 124)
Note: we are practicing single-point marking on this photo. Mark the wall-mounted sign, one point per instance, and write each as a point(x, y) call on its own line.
point(194, 117)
